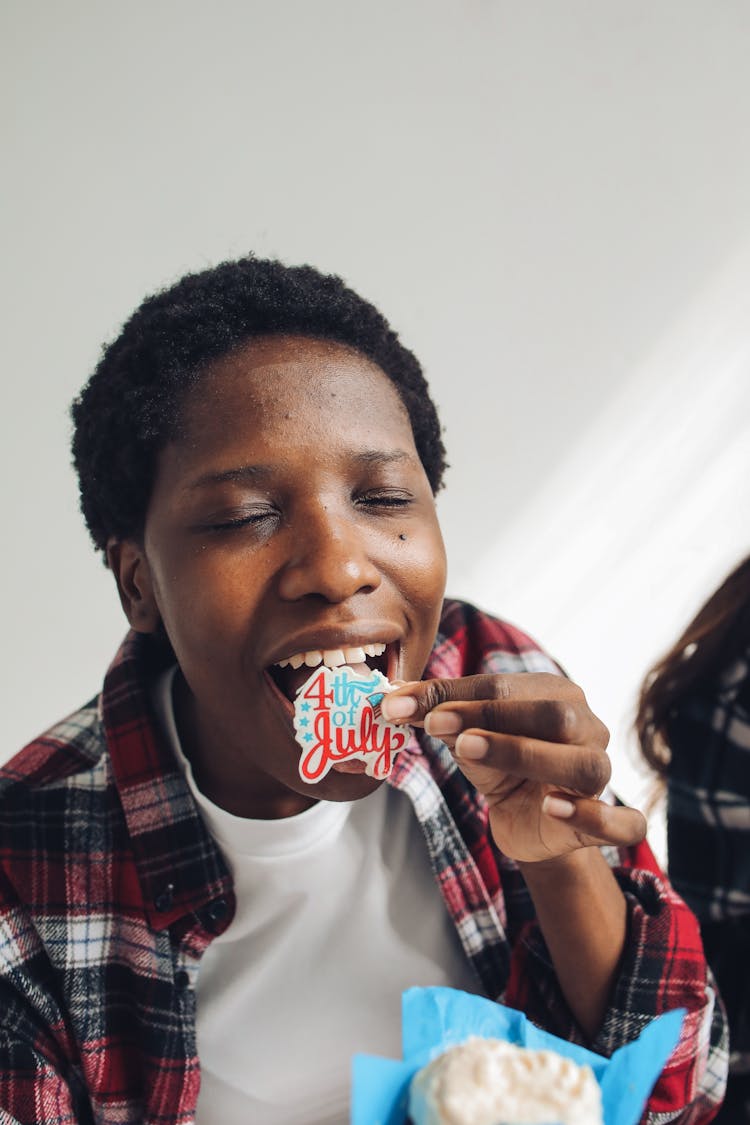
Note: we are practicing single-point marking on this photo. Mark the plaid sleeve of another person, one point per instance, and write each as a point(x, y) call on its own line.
point(708, 832)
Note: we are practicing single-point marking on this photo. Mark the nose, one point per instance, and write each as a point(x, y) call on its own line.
point(329, 558)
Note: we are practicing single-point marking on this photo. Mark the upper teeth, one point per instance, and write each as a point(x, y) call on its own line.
point(332, 657)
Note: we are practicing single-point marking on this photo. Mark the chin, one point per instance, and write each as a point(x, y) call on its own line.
point(343, 787)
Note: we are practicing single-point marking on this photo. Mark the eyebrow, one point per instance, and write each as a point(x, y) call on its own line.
point(240, 473)
point(247, 473)
point(383, 456)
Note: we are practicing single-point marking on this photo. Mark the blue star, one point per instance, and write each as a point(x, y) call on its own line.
point(304, 722)
point(308, 737)
point(305, 707)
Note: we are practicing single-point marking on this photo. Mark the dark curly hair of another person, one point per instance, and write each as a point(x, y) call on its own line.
point(131, 406)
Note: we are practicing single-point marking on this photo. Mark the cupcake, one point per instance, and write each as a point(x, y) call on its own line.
point(491, 1082)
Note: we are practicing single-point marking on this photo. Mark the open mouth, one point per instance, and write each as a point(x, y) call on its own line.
point(288, 675)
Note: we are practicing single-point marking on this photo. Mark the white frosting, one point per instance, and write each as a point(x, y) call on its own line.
point(490, 1082)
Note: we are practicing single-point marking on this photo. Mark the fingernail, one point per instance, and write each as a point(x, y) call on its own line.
point(442, 722)
point(471, 746)
point(559, 807)
point(399, 708)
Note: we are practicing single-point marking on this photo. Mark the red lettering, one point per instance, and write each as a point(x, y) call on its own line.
point(351, 742)
point(316, 690)
point(315, 763)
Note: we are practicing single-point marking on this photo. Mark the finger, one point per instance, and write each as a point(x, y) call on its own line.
point(566, 721)
point(596, 822)
point(411, 702)
point(483, 755)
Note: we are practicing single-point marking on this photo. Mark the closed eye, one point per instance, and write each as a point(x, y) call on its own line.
point(243, 517)
point(392, 498)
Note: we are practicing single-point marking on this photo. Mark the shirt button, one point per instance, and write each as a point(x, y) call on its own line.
point(163, 901)
point(216, 911)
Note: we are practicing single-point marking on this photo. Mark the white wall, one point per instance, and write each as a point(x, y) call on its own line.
point(549, 200)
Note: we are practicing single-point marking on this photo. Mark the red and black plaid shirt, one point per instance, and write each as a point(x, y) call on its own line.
point(111, 888)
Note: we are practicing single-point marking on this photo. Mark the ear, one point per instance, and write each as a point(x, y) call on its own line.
point(127, 561)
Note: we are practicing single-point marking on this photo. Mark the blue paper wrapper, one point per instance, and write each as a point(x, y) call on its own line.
point(434, 1019)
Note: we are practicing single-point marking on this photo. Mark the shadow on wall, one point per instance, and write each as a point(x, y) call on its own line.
point(647, 512)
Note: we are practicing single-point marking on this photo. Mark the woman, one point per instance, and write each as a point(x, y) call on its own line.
point(694, 728)
point(195, 929)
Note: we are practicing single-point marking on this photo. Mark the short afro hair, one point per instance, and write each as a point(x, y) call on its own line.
point(130, 408)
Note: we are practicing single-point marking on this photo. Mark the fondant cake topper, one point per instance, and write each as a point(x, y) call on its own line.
point(337, 718)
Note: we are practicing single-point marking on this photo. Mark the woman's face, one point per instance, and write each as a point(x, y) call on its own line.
point(292, 514)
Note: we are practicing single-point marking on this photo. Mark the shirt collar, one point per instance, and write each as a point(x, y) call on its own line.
point(180, 868)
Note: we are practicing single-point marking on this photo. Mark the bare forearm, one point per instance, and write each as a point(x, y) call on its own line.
point(583, 917)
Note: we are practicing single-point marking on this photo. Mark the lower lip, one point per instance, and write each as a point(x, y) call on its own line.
point(356, 766)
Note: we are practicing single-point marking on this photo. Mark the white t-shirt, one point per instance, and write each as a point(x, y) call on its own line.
point(337, 913)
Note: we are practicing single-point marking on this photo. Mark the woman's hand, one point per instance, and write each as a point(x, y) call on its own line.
point(530, 744)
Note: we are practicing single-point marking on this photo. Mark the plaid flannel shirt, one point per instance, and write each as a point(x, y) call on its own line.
point(708, 832)
point(111, 888)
